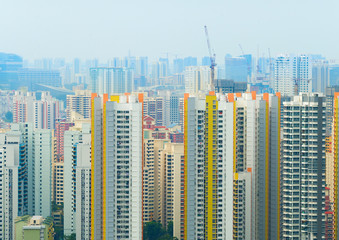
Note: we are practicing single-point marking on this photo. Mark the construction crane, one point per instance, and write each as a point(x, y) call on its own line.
point(212, 58)
point(247, 63)
point(270, 59)
point(297, 82)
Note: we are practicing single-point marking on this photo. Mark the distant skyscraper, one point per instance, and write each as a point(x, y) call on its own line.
point(206, 61)
point(263, 65)
point(292, 74)
point(141, 67)
point(10, 65)
point(249, 62)
point(303, 168)
point(76, 66)
point(178, 65)
point(165, 65)
point(334, 75)
point(32, 77)
point(236, 69)
point(197, 79)
point(112, 80)
point(59, 63)
point(159, 71)
point(190, 61)
point(320, 76)
point(116, 196)
point(116, 62)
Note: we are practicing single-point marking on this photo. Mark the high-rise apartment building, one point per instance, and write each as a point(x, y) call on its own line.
point(58, 182)
point(163, 178)
point(43, 151)
point(303, 168)
point(25, 180)
point(334, 75)
point(197, 79)
point(330, 91)
point(155, 108)
point(159, 72)
point(77, 159)
point(79, 103)
point(165, 108)
point(141, 68)
point(171, 184)
point(152, 194)
point(13, 181)
point(42, 113)
point(335, 169)
point(83, 190)
point(292, 74)
point(116, 167)
point(60, 127)
point(112, 80)
point(320, 76)
point(22, 107)
point(178, 65)
point(232, 166)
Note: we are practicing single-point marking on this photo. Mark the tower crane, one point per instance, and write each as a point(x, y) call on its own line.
point(247, 63)
point(212, 58)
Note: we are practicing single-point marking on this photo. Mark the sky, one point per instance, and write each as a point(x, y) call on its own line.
point(105, 29)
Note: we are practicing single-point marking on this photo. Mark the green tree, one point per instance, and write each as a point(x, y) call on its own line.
point(70, 237)
point(153, 231)
point(170, 228)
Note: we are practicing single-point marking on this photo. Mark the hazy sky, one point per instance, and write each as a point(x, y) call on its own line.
point(108, 28)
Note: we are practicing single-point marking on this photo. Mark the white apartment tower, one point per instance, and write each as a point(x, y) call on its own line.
point(42, 157)
point(116, 167)
point(77, 158)
point(13, 181)
point(112, 80)
point(292, 74)
point(83, 191)
point(197, 79)
point(25, 175)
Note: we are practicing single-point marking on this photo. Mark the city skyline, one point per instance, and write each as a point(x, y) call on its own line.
point(88, 30)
